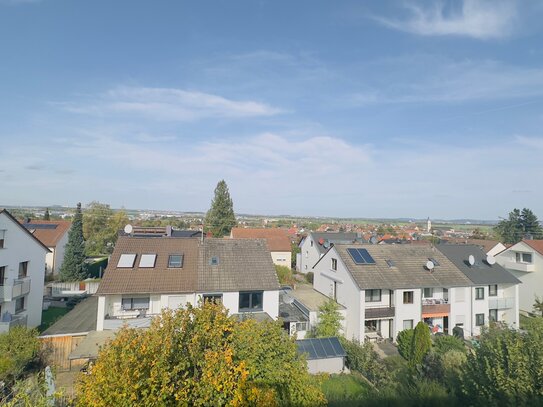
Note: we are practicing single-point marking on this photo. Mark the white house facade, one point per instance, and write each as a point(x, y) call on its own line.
point(54, 235)
point(315, 244)
point(22, 275)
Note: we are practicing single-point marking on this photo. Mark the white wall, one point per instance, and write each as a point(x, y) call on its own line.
point(19, 246)
point(309, 254)
point(281, 258)
point(406, 311)
point(330, 365)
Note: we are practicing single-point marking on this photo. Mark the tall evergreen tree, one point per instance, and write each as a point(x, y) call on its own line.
point(46, 215)
point(74, 268)
point(518, 225)
point(421, 345)
point(220, 218)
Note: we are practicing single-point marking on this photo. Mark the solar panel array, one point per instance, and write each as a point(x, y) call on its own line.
point(320, 348)
point(360, 256)
point(40, 225)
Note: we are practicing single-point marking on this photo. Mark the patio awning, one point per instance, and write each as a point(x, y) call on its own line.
point(436, 315)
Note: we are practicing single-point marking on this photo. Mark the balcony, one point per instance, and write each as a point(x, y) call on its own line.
point(15, 288)
point(379, 312)
point(518, 266)
point(435, 306)
point(16, 320)
point(142, 320)
point(501, 303)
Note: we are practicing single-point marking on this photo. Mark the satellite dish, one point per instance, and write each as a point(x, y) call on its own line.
point(471, 260)
point(430, 265)
point(326, 244)
point(128, 229)
point(490, 259)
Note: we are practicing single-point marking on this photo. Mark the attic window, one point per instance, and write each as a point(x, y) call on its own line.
point(436, 263)
point(214, 261)
point(391, 263)
point(147, 260)
point(175, 261)
point(2, 237)
point(126, 261)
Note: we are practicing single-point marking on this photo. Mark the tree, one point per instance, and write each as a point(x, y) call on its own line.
point(220, 218)
point(19, 347)
point(73, 267)
point(421, 345)
point(199, 357)
point(284, 274)
point(518, 225)
point(101, 226)
point(329, 320)
point(405, 341)
point(46, 215)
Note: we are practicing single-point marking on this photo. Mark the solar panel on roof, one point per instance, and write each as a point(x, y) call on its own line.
point(357, 258)
point(360, 256)
point(328, 348)
point(40, 225)
point(366, 256)
point(338, 349)
point(320, 348)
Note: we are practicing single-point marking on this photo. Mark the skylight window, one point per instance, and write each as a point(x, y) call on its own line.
point(126, 261)
point(147, 260)
point(175, 261)
point(391, 263)
point(214, 261)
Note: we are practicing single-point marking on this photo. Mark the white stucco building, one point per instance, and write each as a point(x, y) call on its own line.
point(315, 244)
point(22, 274)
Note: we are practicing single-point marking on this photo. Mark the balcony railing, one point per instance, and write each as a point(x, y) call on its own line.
point(15, 288)
point(435, 306)
point(513, 265)
point(379, 312)
point(501, 303)
point(143, 320)
point(16, 320)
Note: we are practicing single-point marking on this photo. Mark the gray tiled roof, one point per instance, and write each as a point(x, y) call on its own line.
point(481, 272)
point(79, 320)
point(332, 237)
point(409, 270)
point(243, 264)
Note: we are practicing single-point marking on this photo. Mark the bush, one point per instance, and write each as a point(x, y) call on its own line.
point(284, 274)
point(364, 360)
point(443, 344)
point(404, 340)
point(309, 277)
point(19, 348)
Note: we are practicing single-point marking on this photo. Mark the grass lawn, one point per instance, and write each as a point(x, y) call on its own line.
point(49, 317)
point(344, 389)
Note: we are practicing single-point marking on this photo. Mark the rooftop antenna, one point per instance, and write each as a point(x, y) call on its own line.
point(490, 259)
point(128, 229)
point(430, 265)
point(471, 260)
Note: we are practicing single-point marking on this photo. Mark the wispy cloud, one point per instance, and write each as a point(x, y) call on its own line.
point(480, 19)
point(170, 104)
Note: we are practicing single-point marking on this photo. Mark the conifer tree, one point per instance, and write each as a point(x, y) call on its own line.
point(47, 215)
point(421, 345)
point(220, 218)
point(73, 267)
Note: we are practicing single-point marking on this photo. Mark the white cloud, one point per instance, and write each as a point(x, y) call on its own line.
point(480, 19)
point(168, 104)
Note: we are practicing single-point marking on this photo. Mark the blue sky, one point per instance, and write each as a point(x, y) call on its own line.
point(348, 109)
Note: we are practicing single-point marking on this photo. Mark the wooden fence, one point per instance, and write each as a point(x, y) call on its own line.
point(58, 348)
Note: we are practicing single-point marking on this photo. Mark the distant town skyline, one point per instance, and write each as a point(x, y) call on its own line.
point(310, 108)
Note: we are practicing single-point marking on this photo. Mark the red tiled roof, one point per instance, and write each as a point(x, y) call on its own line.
point(276, 238)
point(49, 237)
point(537, 245)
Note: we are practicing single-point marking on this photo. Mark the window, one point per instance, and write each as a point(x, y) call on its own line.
point(2, 238)
point(493, 315)
point(428, 293)
point(408, 297)
point(301, 326)
point(373, 295)
point(147, 260)
point(214, 261)
point(250, 301)
point(334, 264)
point(2, 275)
point(175, 261)
point(306, 254)
point(407, 324)
point(23, 269)
point(126, 261)
point(130, 304)
point(311, 243)
point(493, 290)
point(19, 304)
point(214, 298)
point(479, 319)
point(524, 257)
point(480, 293)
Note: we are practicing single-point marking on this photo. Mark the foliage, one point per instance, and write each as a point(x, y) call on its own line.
point(309, 276)
point(295, 249)
point(364, 359)
point(538, 305)
point(220, 218)
point(343, 387)
point(32, 392)
point(445, 343)
point(404, 341)
point(197, 357)
point(73, 267)
point(19, 347)
point(284, 274)
point(517, 225)
point(506, 368)
point(96, 268)
point(100, 228)
point(46, 215)
point(329, 320)
point(421, 344)
point(273, 364)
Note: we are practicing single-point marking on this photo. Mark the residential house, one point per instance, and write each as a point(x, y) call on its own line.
point(315, 244)
point(490, 247)
point(22, 275)
point(389, 288)
point(278, 242)
point(323, 355)
point(525, 261)
point(54, 235)
point(148, 274)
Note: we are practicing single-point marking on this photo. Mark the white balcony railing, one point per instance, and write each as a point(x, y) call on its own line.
point(16, 320)
point(501, 303)
point(15, 288)
point(513, 265)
